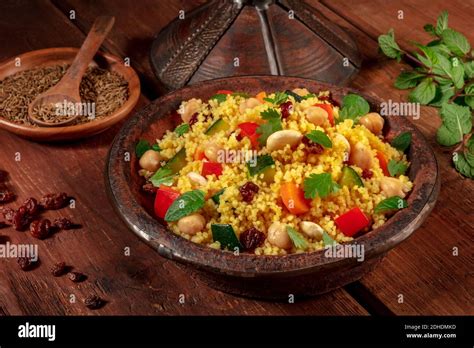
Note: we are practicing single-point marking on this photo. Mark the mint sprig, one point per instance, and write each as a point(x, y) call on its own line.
point(444, 78)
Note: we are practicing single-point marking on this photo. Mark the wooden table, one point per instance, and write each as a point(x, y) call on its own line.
point(422, 271)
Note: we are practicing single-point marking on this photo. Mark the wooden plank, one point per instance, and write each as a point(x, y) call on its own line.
point(423, 269)
point(142, 283)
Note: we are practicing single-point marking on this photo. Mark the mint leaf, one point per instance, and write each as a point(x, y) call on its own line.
point(219, 98)
point(142, 147)
point(453, 69)
point(187, 203)
point(469, 69)
point(440, 48)
point(396, 168)
point(320, 185)
point(182, 129)
point(443, 94)
point(388, 45)
point(402, 141)
point(327, 240)
point(262, 163)
point(408, 79)
point(424, 93)
point(353, 106)
point(430, 57)
point(156, 147)
point(280, 97)
point(469, 98)
point(297, 238)
point(456, 42)
point(442, 23)
point(457, 121)
point(463, 166)
point(430, 29)
point(390, 204)
point(319, 137)
point(163, 176)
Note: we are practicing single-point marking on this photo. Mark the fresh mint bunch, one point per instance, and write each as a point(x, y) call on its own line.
point(443, 78)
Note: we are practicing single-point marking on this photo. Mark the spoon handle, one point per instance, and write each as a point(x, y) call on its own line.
point(89, 48)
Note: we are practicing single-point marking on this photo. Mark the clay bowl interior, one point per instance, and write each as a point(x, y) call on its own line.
point(65, 55)
point(246, 274)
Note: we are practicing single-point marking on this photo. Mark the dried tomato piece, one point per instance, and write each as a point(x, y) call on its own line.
point(77, 277)
point(367, 173)
point(93, 302)
point(6, 196)
point(330, 99)
point(59, 269)
point(41, 229)
point(21, 219)
point(252, 238)
point(64, 224)
point(26, 263)
point(286, 109)
point(32, 206)
point(54, 201)
point(248, 191)
point(312, 147)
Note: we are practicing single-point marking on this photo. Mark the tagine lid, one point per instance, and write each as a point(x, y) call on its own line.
point(260, 37)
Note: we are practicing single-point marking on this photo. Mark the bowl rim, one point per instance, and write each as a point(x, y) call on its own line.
point(376, 242)
point(106, 122)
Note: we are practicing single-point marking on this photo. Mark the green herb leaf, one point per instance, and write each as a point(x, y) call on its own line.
point(430, 57)
point(442, 23)
point(390, 204)
point(142, 147)
point(353, 106)
point(440, 48)
point(388, 45)
point(309, 95)
point(430, 29)
point(263, 162)
point(424, 93)
point(320, 185)
point(241, 94)
point(453, 69)
point(457, 121)
point(456, 42)
point(182, 129)
point(163, 176)
point(156, 147)
point(219, 97)
point(463, 165)
point(396, 168)
point(402, 141)
point(469, 98)
point(273, 125)
point(327, 240)
point(408, 79)
point(187, 203)
point(279, 98)
point(270, 114)
point(297, 238)
point(319, 137)
point(469, 69)
point(443, 94)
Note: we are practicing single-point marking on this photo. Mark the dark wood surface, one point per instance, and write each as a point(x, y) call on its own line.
point(422, 269)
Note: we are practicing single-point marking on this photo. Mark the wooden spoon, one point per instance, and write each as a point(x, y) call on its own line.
point(67, 89)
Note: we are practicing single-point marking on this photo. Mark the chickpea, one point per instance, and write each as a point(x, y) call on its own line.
point(373, 122)
point(278, 236)
point(339, 138)
point(197, 179)
point(151, 160)
point(392, 187)
point(280, 139)
point(361, 156)
point(192, 224)
point(316, 115)
point(212, 151)
point(312, 230)
point(248, 104)
point(301, 91)
point(189, 108)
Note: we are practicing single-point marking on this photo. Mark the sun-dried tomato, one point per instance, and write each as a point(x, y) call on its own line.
point(286, 109)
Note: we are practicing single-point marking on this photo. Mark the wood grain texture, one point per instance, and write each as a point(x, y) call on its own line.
point(423, 269)
point(142, 283)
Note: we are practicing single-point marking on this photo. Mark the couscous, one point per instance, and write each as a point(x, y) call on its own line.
point(275, 173)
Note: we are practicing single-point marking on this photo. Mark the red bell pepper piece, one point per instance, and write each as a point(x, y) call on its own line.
point(249, 130)
point(328, 108)
point(199, 154)
point(383, 163)
point(224, 91)
point(165, 196)
point(209, 168)
point(352, 222)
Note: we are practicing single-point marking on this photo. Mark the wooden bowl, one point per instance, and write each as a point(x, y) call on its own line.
point(247, 274)
point(65, 55)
